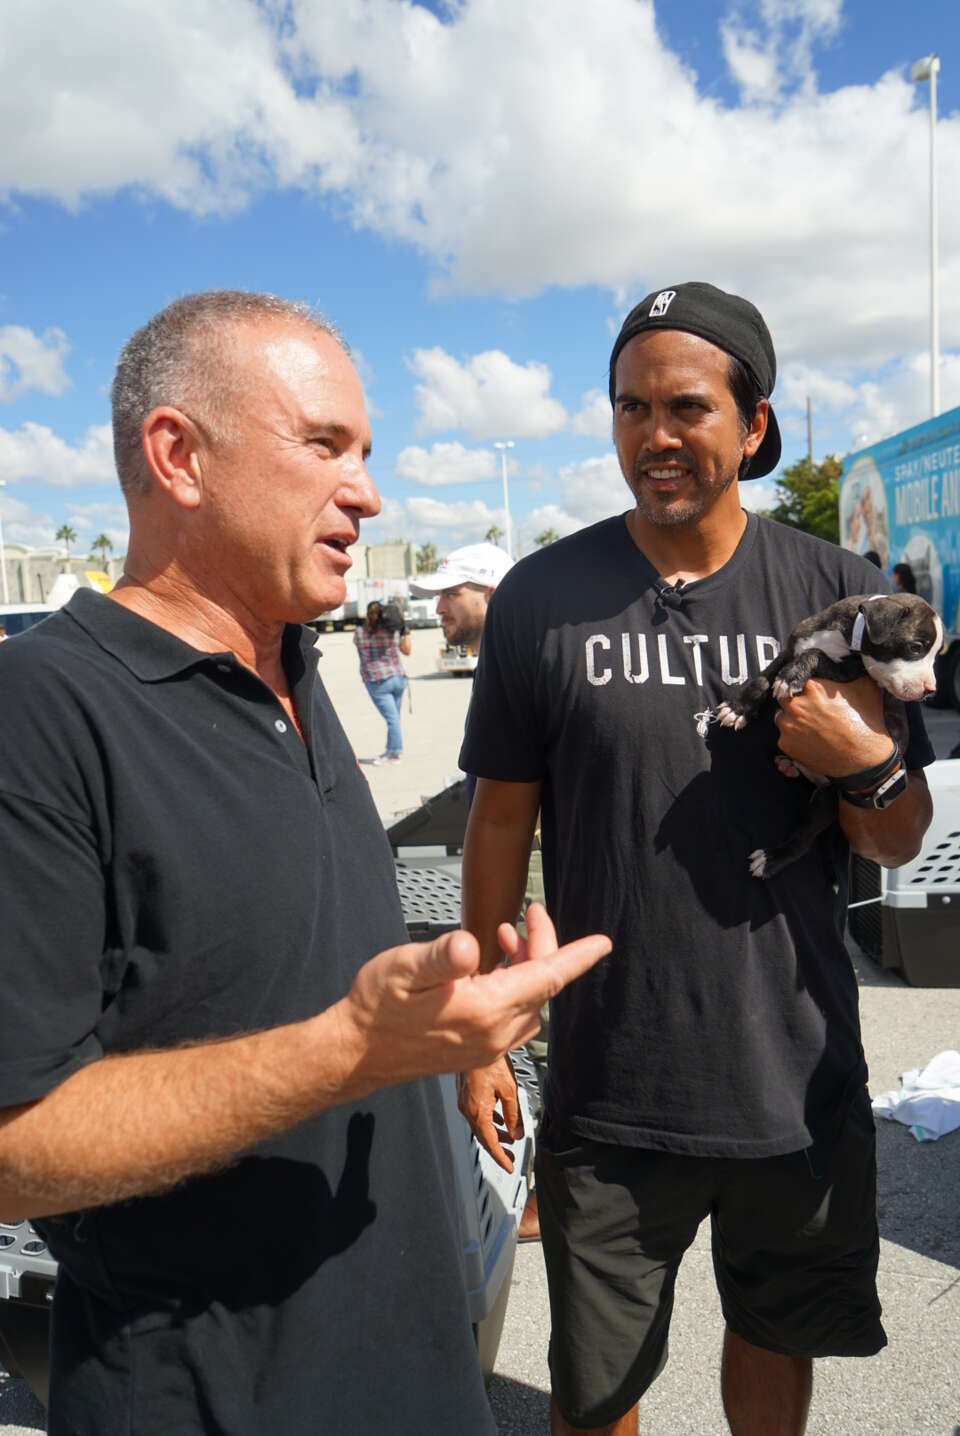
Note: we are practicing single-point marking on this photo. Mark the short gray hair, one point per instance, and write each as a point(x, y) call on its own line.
point(181, 358)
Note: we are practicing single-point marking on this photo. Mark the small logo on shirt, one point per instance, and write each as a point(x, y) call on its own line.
point(662, 303)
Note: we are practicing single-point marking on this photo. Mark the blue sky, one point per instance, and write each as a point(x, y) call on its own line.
point(475, 194)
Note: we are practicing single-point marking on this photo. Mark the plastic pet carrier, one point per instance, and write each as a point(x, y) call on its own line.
point(909, 918)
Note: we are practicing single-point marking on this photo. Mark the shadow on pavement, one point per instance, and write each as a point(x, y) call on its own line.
point(517, 1408)
point(18, 1405)
point(917, 1183)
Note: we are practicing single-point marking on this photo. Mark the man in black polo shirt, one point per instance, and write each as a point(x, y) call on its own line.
point(217, 1102)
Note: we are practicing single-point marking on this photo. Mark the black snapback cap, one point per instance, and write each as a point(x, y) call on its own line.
point(732, 324)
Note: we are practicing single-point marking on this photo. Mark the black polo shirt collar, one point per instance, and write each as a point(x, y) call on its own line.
point(153, 654)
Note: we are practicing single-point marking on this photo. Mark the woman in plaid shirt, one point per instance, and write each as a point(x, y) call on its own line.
point(379, 643)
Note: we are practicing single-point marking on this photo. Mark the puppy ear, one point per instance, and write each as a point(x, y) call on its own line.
point(879, 620)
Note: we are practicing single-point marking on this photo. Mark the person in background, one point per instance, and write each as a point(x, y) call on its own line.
point(380, 643)
point(875, 527)
point(873, 557)
point(904, 578)
point(463, 585)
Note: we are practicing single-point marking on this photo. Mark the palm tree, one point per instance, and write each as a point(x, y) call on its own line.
point(493, 534)
point(548, 536)
point(68, 536)
point(426, 557)
point(101, 545)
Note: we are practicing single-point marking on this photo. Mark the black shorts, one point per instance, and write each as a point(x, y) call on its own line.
point(794, 1254)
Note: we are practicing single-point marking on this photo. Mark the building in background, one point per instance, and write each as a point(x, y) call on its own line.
point(32, 572)
point(384, 560)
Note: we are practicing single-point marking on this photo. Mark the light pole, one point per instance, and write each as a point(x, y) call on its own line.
point(503, 445)
point(927, 69)
point(3, 556)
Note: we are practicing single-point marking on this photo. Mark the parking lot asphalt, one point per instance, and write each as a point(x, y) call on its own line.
point(911, 1387)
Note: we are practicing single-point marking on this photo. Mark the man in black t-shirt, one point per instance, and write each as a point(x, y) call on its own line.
point(713, 1065)
point(217, 1050)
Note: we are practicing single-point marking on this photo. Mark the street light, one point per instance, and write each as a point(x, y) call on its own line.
point(503, 445)
point(927, 69)
point(3, 556)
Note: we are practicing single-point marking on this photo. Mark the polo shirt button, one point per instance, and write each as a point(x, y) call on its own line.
point(223, 667)
point(280, 726)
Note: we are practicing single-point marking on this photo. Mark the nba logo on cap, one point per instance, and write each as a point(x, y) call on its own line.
point(662, 303)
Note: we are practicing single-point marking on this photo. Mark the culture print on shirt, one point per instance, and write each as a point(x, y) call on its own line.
point(675, 661)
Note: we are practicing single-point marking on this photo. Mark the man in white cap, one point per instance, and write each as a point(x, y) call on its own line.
point(465, 582)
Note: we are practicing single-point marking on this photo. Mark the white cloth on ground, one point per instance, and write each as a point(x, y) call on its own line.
point(927, 1101)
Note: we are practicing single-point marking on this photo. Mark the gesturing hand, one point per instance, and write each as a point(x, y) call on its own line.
point(425, 1008)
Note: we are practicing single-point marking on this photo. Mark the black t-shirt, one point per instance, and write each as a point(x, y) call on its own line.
point(725, 1022)
point(176, 865)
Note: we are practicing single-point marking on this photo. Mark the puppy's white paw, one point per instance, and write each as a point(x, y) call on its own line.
point(781, 690)
point(786, 766)
point(758, 863)
point(727, 718)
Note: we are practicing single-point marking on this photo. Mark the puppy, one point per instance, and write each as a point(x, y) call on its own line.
point(894, 638)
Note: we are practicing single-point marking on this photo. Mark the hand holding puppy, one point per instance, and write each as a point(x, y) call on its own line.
point(834, 729)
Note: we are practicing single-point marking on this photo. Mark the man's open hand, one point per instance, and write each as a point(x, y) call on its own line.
point(425, 1008)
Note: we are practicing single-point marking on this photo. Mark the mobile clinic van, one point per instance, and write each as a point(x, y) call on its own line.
point(901, 498)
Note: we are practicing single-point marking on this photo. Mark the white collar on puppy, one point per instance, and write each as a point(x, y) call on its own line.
point(859, 624)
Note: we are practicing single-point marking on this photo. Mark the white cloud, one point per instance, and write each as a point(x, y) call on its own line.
point(445, 464)
point(487, 396)
point(96, 518)
point(859, 409)
point(35, 452)
point(758, 494)
point(777, 51)
point(595, 417)
point(592, 489)
point(24, 523)
point(32, 361)
point(367, 378)
point(815, 204)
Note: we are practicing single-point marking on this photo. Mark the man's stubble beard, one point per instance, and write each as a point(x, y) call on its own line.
point(463, 636)
point(686, 510)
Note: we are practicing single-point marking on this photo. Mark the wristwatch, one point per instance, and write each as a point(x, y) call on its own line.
point(875, 787)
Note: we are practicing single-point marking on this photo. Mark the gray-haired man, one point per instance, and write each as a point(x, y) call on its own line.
point(212, 1090)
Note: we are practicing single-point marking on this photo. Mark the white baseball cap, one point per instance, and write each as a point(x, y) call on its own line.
point(481, 563)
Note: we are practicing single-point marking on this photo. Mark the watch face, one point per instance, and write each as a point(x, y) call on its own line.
point(890, 790)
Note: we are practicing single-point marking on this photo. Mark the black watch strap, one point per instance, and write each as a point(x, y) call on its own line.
point(875, 787)
point(888, 792)
point(869, 777)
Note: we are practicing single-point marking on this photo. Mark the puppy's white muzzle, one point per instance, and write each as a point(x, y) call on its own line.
point(910, 682)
